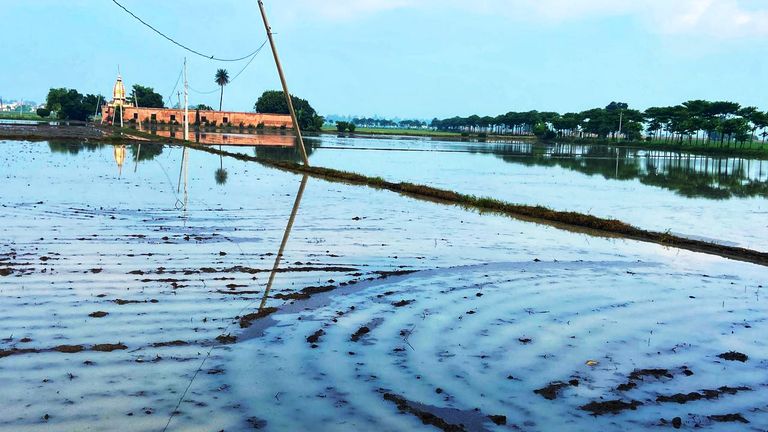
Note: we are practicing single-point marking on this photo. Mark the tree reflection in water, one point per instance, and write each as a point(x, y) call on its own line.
point(689, 175)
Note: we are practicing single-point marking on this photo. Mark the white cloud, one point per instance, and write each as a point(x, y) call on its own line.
point(345, 9)
point(719, 19)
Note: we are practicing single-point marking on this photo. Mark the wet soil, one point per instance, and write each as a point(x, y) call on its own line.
point(729, 418)
point(683, 398)
point(315, 337)
point(247, 320)
point(426, 417)
point(226, 339)
point(610, 407)
point(734, 356)
point(362, 331)
point(69, 348)
point(109, 347)
point(553, 389)
point(170, 344)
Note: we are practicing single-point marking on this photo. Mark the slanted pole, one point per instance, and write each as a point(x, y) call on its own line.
point(285, 85)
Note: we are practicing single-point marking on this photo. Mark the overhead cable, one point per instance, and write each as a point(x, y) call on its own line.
point(170, 39)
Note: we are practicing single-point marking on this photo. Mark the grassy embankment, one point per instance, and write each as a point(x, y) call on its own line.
point(560, 219)
point(10, 115)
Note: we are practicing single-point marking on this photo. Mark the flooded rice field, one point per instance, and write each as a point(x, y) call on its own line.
point(716, 199)
point(152, 288)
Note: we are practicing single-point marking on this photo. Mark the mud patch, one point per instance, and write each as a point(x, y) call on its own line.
point(729, 418)
point(247, 320)
point(553, 390)
point(109, 347)
point(362, 331)
point(402, 303)
point(315, 337)
point(70, 349)
point(734, 356)
point(17, 351)
point(170, 344)
point(426, 417)
point(683, 398)
point(226, 339)
point(610, 407)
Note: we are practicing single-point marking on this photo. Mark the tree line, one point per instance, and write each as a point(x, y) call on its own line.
point(722, 123)
point(368, 122)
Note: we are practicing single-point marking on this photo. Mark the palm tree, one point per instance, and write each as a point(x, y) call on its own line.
point(222, 79)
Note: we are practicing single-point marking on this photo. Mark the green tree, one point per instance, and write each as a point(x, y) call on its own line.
point(273, 102)
point(342, 126)
point(146, 97)
point(222, 79)
point(203, 107)
point(69, 104)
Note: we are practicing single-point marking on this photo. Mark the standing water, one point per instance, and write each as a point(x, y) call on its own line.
point(133, 287)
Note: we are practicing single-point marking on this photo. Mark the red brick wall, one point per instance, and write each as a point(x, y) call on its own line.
point(234, 118)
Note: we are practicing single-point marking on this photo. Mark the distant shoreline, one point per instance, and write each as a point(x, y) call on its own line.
point(83, 131)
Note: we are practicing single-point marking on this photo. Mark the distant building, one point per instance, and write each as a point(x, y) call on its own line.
point(132, 114)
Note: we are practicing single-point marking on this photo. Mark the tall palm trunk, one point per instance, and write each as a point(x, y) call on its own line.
point(221, 98)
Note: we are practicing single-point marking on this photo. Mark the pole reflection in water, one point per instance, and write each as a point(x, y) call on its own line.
point(286, 234)
point(138, 155)
point(183, 172)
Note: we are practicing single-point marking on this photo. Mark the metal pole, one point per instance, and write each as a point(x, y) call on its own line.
point(285, 85)
point(621, 120)
point(186, 103)
point(98, 101)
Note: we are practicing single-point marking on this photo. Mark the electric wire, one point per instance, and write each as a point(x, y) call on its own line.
point(237, 74)
point(170, 96)
point(170, 39)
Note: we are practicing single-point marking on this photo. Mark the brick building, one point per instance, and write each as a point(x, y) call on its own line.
point(132, 114)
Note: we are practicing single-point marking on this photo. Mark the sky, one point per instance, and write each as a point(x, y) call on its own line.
point(400, 58)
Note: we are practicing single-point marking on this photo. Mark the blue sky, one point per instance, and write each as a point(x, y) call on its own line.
point(405, 58)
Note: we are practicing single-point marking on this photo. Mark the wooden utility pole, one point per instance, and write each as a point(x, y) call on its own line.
point(285, 85)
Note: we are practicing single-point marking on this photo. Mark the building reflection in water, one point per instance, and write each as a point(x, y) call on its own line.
point(232, 139)
point(119, 152)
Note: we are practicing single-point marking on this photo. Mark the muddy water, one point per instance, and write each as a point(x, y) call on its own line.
point(490, 310)
point(717, 199)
